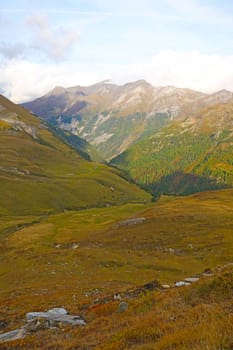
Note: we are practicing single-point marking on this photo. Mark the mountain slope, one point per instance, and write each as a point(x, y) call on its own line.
point(83, 147)
point(41, 174)
point(189, 155)
point(113, 117)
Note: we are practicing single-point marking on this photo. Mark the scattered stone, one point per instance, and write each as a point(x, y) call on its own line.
point(165, 286)
point(117, 296)
point(173, 318)
point(207, 273)
point(152, 285)
point(181, 284)
point(3, 324)
point(191, 279)
point(13, 335)
point(75, 245)
point(123, 306)
point(204, 274)
point(52, 318)
point(129, 222)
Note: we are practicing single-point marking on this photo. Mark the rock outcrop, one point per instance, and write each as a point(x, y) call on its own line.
point(56, 317)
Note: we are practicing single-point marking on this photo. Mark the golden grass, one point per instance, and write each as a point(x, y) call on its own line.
point(4, 125)
point(183, 318)
point(40, 269)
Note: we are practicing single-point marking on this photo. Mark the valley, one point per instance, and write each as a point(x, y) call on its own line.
point(116, 175)
point(168, 140)
point(75, 230)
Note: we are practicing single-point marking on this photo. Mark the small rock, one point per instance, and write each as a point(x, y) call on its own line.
point(171, 250)
point(207, 273)
point(75, 245)
point(172, 318)
point(12, 335)
point(3, 324)
point(129, 222)
point(165, 286)
point(123, 306)
point(117, 296)
point(191, 279)
point(152, 285)
point(182, 283)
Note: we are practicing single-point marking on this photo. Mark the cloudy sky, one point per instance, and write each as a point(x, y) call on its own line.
point(45, 43)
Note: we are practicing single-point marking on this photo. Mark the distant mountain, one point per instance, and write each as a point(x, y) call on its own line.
point(40, 173)
point(188, 155)
point(113, 117)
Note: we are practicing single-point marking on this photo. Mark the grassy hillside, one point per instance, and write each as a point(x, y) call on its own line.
point(187, 156)
point(73, 258)
point(41, 174)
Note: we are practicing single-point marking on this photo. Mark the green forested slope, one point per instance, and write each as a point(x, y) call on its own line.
point(187, 156)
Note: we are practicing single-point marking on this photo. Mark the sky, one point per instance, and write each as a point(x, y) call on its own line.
point(48, 43)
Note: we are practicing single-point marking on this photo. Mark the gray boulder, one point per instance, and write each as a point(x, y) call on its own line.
point(123, 306)
point(52, 318)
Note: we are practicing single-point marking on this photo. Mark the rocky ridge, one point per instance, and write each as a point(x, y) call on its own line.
point(113, 117)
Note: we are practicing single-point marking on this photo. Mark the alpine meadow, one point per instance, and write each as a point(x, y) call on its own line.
point(116, 175)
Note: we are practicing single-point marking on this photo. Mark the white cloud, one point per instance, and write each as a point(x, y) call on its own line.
point(22, 80)
point(55, 41)
point(194, 70)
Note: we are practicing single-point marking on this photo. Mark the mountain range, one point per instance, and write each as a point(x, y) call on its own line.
point(113, 117)
point(168, 139)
